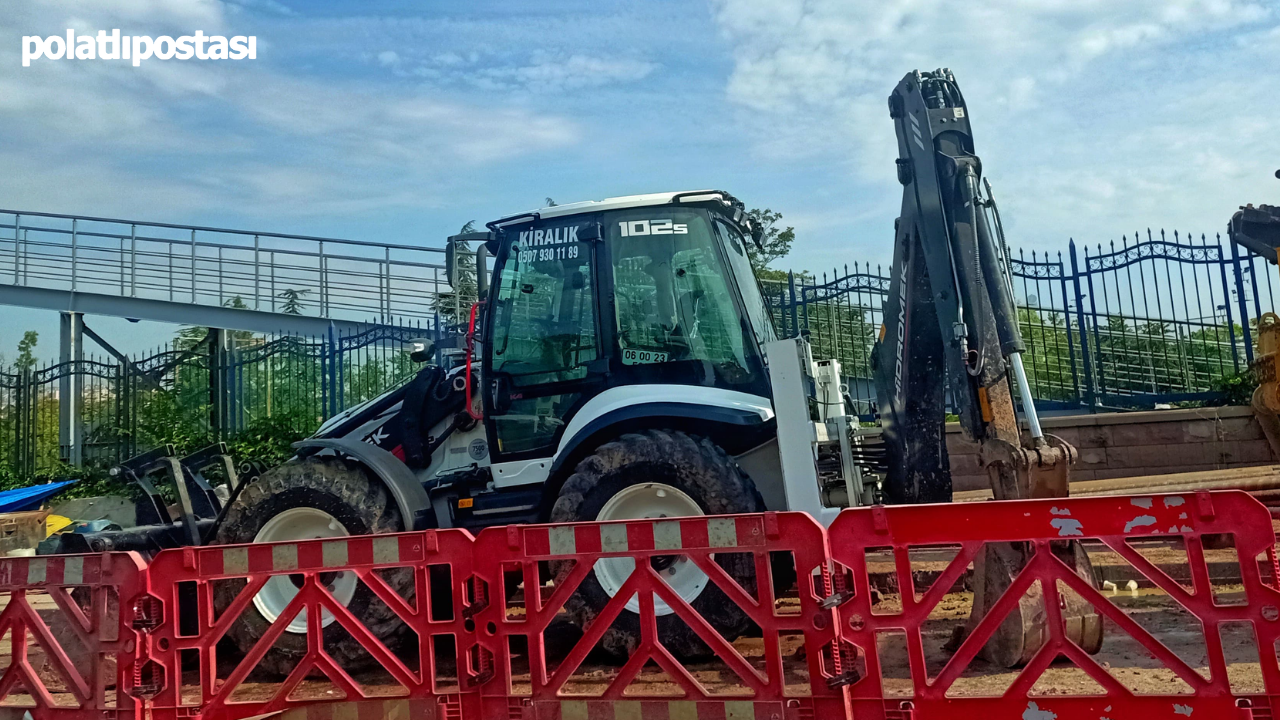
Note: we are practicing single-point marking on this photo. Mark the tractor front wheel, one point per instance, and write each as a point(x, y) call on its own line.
point(658, 474)
point(306, 500)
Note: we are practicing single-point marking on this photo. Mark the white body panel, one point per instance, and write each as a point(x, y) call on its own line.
point(524, 472)
point(790, 374)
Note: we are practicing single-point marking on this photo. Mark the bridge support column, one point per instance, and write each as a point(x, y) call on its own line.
point(70, 387)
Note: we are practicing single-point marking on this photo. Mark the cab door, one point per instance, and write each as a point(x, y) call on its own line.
point(543, 358)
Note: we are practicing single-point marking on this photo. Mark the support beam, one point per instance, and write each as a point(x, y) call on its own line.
point(70, 387)
point(120, 357)
point(174, 312)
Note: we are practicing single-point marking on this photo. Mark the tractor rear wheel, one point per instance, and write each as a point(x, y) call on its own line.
point(304, 500)
point(655, 474)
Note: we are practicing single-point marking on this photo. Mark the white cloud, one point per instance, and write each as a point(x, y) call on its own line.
point(246, 135)
point(1092, 114)
point(547, 74)
point(541, 73)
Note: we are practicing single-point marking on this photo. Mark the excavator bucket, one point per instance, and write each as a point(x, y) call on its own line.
point(1035, 473)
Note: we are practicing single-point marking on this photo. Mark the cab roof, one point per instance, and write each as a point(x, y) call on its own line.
point(616, 203)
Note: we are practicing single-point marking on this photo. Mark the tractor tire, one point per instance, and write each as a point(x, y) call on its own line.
point(362, 506)
point(703, 473)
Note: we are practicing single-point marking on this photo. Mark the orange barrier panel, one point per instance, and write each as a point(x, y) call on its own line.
point(746, 687)
point(1125, 526)
point(72, 651)
point(482, 629)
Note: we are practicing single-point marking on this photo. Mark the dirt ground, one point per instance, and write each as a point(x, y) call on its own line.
point(1121, 655)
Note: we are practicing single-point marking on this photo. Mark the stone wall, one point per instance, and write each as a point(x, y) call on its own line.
point(1131, 444)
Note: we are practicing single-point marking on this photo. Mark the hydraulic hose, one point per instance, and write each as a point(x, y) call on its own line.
point(992, 272)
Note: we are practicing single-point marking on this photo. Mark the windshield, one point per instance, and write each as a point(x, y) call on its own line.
point(674, 295)
point(748, 285)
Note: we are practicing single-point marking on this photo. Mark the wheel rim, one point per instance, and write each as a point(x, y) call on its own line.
point(301, 523)
point(653, 501)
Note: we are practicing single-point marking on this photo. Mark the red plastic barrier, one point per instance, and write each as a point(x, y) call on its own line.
point(205, 692)
point(72, 657)
point(1116, 522)
point(747, 688)
point(816, 656)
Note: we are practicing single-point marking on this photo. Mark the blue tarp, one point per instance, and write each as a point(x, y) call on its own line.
point(29, 498)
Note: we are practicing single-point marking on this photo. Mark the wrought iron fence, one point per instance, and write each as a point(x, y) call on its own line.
point(1153, 318)
point(99, 411)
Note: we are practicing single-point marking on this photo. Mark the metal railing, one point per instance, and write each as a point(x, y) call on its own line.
point(1154, 318)
point(301, 274)
point(199, 390)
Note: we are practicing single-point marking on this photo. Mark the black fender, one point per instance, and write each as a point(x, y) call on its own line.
point(734, 429)
point(405, 487)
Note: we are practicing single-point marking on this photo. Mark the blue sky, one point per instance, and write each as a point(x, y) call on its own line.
point(401, 121)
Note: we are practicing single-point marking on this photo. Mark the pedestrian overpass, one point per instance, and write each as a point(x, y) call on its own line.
point(219, 278)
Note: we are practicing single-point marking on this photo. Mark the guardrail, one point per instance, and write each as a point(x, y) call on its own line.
point(301, 274)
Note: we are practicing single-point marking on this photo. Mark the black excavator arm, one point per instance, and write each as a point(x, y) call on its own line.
point(951, 333)
point(951, 329)
point(1257, 229)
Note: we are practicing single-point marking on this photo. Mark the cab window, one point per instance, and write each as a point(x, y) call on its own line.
point(674, 296)
point(544, 333)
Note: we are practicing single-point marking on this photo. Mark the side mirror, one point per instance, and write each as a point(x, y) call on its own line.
point(422, 350)
point(757, 235)
point(450, 260)
point(482, 271)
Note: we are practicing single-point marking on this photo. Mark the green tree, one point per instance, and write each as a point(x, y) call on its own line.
point(26, 357)
point(292, 300)
point(775, 244)
point(454, 305)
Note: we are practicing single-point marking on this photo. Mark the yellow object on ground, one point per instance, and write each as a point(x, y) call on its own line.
point(55, 523)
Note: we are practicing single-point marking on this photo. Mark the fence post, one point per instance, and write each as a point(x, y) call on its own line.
point(1071, 343)
point(1090, 389)
point(70, 387)
point(324, 295)
point(804, 305)
point(133, 260)
point(257, 272)
point(791, 291)
point(193, 266)
point(1244, 305)
point(75, 260)
point(30, 397)
point(17, 233)
point(1226, 305)
point(330, 374)
point(217, 383)
point(339, 375)
point(122, 412)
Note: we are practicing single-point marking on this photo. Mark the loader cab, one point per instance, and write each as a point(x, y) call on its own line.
point(651, 289)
